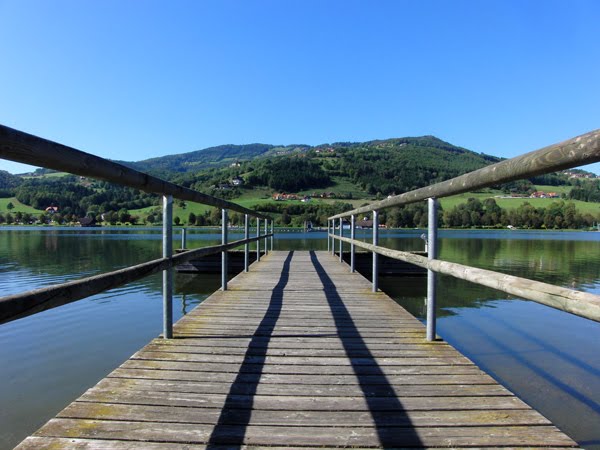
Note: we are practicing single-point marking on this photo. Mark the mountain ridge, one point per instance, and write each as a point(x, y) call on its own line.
point(226, 154)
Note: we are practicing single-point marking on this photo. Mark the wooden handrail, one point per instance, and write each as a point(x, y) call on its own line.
point(17, 306)
point(26, 148)
point(580, 303)
point(584, 149)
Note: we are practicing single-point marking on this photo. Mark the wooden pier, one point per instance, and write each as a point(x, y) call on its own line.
point(298, 352)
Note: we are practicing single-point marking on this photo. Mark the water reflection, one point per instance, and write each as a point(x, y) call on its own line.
point(547, 357)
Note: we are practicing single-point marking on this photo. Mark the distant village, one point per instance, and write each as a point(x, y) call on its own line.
point(536, 194)
point(585, 175)
point(282, 196)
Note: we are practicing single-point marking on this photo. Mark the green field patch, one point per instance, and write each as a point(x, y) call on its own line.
point(18, 206)
point(506, 202)
point(557, 189)
point(47, 175)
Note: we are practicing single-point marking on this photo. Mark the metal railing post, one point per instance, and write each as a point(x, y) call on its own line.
point(375, 255)
point(258, 240)
point(183, 238)
point(431, 275)
point(341, 242)
point(328, 237)
point(272, 233)
point(352, 236)
point(333, 237)
point(224, 268)
point(167, 252)
point(246, 245)
point(266, 238)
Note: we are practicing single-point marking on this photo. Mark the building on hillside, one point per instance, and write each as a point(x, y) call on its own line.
point(283, 196)
point(542, 194)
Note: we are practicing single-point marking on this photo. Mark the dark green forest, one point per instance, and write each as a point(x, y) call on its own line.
point(74, 197)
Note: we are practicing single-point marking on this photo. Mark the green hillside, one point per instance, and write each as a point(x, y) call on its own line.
point(213, 157)
point(310, 183)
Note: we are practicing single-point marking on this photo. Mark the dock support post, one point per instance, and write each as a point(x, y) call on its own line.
point(328, 237)
point(341, 242)
point(247, 245)
point(375, 255)
point(224, 268)
point(352, 236)
point(167, 251)
point(333, 237)
point(183, 238)
point(266, 238)
point(272, 233)
point(431, 275)
point(258, 240)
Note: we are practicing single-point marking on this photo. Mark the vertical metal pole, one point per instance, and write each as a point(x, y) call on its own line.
point(258, 240)
point(328, 237)
point(341, 242)
point(183, 238)
point(224, 268)
point(333, 237)
point(272, 233)
point(266, 238)
point(375, 255)
point(431, 275)
point(247, 245)
point(352, 236)
point(167, 251)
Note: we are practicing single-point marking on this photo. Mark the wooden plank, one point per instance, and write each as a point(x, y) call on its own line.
point(291, 417)
point(54, 443)
point(299, 342)
point(517, 436)
point(302, 374)
point(310, 361)
point(302, 403)
point(355, 351)
point(297, 386)
point(286, 360)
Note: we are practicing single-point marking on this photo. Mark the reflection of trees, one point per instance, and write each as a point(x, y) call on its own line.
point(410, 293)
point(565, 263)
point(73, 254)
point(59, 252)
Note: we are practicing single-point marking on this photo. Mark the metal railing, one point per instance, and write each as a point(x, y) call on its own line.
point(584, 149)
point(26, 148)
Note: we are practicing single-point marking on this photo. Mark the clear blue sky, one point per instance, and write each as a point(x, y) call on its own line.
point(135, 79)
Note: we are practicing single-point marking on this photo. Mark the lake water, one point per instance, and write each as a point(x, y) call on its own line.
point(549, 358)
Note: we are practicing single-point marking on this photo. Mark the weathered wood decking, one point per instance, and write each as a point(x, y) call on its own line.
point(297, 353)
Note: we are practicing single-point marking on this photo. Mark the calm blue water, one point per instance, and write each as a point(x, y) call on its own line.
point(549, 358)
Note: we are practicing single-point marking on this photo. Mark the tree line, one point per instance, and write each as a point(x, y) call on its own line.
point(72, 196)
point(487, 214)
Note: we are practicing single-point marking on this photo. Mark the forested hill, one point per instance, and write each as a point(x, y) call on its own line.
point(212, 157)
point(381, 166)
point(389, 161)
point(341, 170)
point(261, 175)
point(399, 165)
